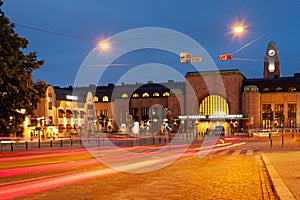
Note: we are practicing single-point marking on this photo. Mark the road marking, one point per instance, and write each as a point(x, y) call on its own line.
point(236, 152)
point(224, 152)
point(249, 153)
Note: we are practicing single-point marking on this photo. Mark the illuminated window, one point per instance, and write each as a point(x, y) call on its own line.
point(135, 95)
point(96, 99)
point(292, 113)
point(266, 90)
point(278, 89)
point(156, 94)
point(50, 106)
point(267, 115)
point(146, 95)
point(124, 96)
point(292, 89)
point(279, 116)
point(61, 113)
point(214, 105)
point(166, 94)
point(105, 98)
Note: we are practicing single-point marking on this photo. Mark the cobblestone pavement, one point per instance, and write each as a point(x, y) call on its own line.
point(229, 176)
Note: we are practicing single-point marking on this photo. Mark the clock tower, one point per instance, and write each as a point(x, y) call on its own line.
point(271, 62)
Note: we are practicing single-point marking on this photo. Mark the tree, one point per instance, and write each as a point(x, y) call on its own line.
point(19, 94)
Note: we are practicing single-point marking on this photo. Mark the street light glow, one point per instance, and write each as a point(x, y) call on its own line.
point(104, 45)
point(238, 29)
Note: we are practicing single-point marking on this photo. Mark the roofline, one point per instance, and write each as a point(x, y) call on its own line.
point(215, 72)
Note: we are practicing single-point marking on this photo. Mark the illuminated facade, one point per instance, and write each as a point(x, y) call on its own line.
point(206, 99)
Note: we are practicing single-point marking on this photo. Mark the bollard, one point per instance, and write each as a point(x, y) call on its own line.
point(98, 143)
point(282, 140)
point(71, 142)
point(11, 146)
point(26, 145)
point(39, 144)
point(51, 143)
point(61, 143)
point(270, 137)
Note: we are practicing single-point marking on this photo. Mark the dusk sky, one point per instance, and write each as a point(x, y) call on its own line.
point(64, 32)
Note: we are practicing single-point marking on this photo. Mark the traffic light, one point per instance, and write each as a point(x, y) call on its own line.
point(226, 56)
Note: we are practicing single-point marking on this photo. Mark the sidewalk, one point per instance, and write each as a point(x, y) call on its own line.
point(283, 165)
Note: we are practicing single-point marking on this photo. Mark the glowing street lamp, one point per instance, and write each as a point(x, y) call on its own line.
point(104, 45)
point(238, 29)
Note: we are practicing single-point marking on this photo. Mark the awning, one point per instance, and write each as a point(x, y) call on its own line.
point(61, 111)
point(69, 126)
point(69, 111)
point(61, 126)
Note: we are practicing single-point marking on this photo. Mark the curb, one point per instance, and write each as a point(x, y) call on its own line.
point(280, 187)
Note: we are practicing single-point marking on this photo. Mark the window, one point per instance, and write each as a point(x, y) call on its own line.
point(278, 89)
point(49, 94)
point(145, 115)
point(61, 113)
point(145, 94)
point(214, 105)
point(291, 123)
point(82, 113)
point(50, 120)
point(267, 115)
point(166, 94)
point(50, 105)
point(69, 114)
point(105, 98)
point(156, 94)
point(124, 96)
point(104, 112)
point(96, 99)
point(135, 95)
point(134, 111)
point(279, 117)
point(266, 90)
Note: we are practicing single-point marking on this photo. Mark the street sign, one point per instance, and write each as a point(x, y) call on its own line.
point(226, 56)
point(169, 128)
point(185, 57)
point(196, 59)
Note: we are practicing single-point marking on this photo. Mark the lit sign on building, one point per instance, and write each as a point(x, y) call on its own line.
point(70, 97)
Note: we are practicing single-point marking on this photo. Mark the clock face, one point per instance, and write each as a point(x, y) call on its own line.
point(271, 52)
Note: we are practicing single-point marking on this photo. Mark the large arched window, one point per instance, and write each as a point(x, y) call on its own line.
point(156, 94)
point(278, 89)
point(135, 95)
point(145, 94)
point(166, 94)
point(124, 96)
point(214, 105)
point(105, 98)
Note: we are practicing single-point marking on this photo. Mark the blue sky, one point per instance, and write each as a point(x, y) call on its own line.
point(64, 32)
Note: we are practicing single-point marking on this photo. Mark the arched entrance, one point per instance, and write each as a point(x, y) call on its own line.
point(214, 107)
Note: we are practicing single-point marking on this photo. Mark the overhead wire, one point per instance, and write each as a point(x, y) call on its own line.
point(281, 8)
